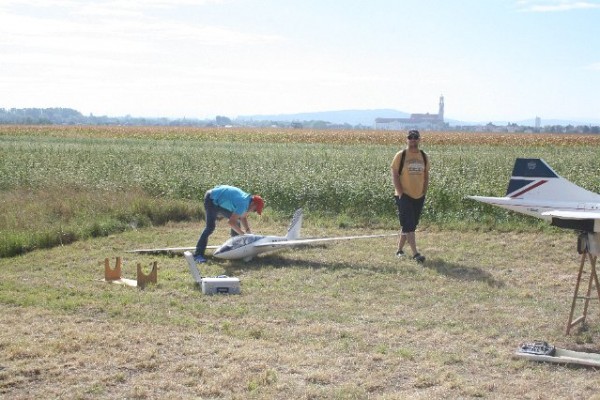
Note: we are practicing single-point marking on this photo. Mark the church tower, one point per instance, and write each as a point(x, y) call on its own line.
point(441, 110)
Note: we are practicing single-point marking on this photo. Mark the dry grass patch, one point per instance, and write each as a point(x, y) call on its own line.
point(346, 321)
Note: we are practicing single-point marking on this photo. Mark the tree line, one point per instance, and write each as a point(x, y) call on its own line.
point(69, 116)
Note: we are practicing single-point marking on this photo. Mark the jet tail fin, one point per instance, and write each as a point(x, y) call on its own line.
point(533, 178)
point(295, 225)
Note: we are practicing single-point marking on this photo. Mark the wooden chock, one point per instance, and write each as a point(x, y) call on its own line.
point(111, 274)
point(142, 279)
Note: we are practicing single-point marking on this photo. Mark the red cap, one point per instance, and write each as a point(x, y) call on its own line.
point(259, 203)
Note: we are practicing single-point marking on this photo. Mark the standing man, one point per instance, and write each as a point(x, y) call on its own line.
point(232, 203)
point(410, 174)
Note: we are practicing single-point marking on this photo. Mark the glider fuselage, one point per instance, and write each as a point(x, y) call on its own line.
point(246, 247)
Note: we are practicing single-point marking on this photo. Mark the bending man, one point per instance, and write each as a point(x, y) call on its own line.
point(234, 204)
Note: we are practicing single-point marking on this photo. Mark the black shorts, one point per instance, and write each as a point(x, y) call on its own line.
point(409, 212)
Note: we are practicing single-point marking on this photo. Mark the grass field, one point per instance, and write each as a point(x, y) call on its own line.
point(349, 321)
point(346, 321)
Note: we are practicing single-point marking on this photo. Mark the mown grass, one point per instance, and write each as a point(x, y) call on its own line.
point(346, 321)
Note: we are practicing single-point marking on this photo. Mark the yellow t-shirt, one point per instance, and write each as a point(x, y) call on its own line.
point(412, 177)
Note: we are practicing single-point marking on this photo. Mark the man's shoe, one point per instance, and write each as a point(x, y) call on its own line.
point(419, 258)
point(199, 259)
point(400, 254)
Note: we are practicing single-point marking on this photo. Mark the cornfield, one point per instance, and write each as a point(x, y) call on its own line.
point(330, 173)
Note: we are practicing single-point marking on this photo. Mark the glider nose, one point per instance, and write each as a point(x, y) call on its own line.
point(221, 250)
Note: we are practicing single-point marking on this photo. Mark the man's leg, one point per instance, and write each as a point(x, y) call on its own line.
point(410, 211)
point(401, 236)
point(406, 216)
point(417, 208)
point(401, 242)
point(412, 242)
point(210, 211)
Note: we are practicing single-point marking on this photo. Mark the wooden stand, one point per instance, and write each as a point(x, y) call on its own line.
point(593, 284)
point(113, 275)
point(142, 279)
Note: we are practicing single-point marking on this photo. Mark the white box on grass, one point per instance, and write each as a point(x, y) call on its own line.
point(215, 285)
point(220, 285)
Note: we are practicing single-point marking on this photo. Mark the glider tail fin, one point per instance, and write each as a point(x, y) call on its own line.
point(534, 178)
point(294, 228)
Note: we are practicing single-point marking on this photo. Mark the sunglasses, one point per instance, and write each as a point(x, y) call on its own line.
point(413, 137)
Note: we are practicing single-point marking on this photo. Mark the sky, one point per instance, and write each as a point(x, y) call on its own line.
point(492, 60)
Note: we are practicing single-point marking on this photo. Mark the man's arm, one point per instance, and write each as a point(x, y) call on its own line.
point(245, 224)
point(425, 181)
point(396, 180)
point(233, 223)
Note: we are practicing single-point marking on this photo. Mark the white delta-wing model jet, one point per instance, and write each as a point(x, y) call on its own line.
point(536, 189)
point(246, 247)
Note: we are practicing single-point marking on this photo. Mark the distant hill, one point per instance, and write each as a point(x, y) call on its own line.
point(352, 117)
point(69, 116)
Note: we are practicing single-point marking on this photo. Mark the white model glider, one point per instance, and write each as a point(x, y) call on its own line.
point(246, 247)
point(536, 189)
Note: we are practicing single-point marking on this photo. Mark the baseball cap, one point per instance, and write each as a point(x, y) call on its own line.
point(259, 202)
point(413, 134)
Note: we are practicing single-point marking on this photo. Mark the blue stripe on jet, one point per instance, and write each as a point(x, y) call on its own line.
point(516, 184)
point(532, 168)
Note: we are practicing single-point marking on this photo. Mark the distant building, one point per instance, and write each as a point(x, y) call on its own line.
point(416, 121)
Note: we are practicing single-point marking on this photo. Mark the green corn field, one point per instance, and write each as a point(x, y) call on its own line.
point(60, 184)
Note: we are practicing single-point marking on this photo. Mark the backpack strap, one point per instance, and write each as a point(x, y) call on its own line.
point(402, 162)
point(404, 156)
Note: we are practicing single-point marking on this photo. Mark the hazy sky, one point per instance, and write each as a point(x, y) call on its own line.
point(493, 60)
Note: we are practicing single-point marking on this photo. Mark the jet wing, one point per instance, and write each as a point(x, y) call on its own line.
point(168, 249)
point(585, 221)
point(310, 241)
point(572, 214)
